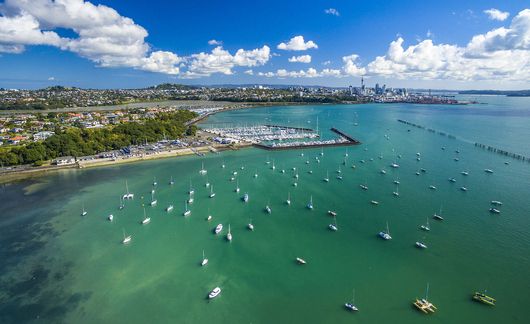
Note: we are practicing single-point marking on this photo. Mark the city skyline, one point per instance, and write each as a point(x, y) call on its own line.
point(111, 44)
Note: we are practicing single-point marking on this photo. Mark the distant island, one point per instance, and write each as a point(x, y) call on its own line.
point(508, 93)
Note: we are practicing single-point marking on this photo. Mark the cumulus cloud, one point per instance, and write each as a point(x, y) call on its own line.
point(351, 67)
point(249, 72)
point(221, 61)
point(297, 43)
point(300, 59)
point(215, 42)
point(309, 73)
point(332, 11)
point(496, 14)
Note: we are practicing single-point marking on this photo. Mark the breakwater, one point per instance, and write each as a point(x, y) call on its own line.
point(489, 148)
point(343, 140)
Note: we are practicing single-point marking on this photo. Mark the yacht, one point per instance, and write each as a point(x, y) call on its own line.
point(171, 182)
point(310, 171)
point(190, 199)
point(126, 239)
point(385, 235)
point(418, 173)
point(310, 204)
point(191, 191)
point(110, 218)
point(396, 193)
point(463, 188)
point(452, 180)
point(212, 194)
point(423, 170)
point(250, 226)
point(282, 171)
point(488, 170)
point(426, 226)
point(218, 228)
point(268, 209)
point(295, 184)
point(339, 170)
point(496, 202)
point(421, 245)
point(495, 211)
point(229, 234)
point(332, 213)
point(121, 204)
point(374, 202)
point(439, 215)
point(214, 293)
point(83, 212)
point(186, 212)
point(456, 159)
point(288, 201)
point(383, 171)
point(333, 226)
point(169, 208)
point(146, 219)
point(300, 261)
point(255, 175)
point(154, 182)
point(465, 173)
point(245, 197)
point(204, 260)
point(326, 179)
point(432, 187)
point(351, 306)
point(396, 181)
point(237, 186)
point(394, 165)
point(363, 187)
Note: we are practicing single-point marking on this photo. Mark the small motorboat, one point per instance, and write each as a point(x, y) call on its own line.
point(218, 228)
point(495, 211)
point(332, 213)
point(421, 245)
point(214, 293)
point(300, 261)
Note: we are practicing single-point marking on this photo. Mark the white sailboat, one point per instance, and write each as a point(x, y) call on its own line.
point(326, 179)
point(146, 219)
point(154, 182)
point(212, 194)
point(396, 193)
point(229, 234)
point(190, 199)
point(237, 186)
point(186, 212)
point(268, 208)
point(191, 191)
point(153, 200)
point(310, 204)
point(83, 212)
point(121, 204)
point(250, 225)
point(288, 201)
point(426, 227)
point(439, 215)
point(351, 306)
point(245, 197)
point(126, 239)
point(171, 181)
point(203, 171)
point(385, 235)
point(204, 260)
point(110, 218)
point(169, 208)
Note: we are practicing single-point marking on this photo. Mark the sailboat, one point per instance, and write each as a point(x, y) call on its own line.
point(288, 201)
point(424, 305)
point(121, 204)
point(385, 235)
point(426, 226)
point(83, 212)
point(273, 166)
point(229, 235)
point(212, 194)
point(186, 212)
point(204, 260)
point(237, 186)
point(154, 182)
point(110, 217)
point(322, 151)
point(351, 306)
point(268, 208)
point(333, 226)
point(126, 239)
point(439, 215)
point(250, 225)
point(191, 191)
point(203, 171)
point(169, 208)
point(256, 174)
point(171, 181)
point(207, 184)
point(396, 193)
point(127, 194)
point(146, 219)
point(310, 204)
point(245, 197)
point(190, 199)
point(153, 200)
point(326, 179)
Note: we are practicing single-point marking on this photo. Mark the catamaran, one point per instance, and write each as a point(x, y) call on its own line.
point(229, 235)
point(204, 260)
point(83, 212)
point(126, 239)
point(146, 219)
point(127, 194)
point(485, 299)
point(212, 194)
point(288, 201)
point(426, 226)
point(214, 293)
point(203, 171)
point(186, 212)
point(218, 228)
point(385, 235)
point(424, 305)
point(310, 204)
point(439, 215)
point(351, 306)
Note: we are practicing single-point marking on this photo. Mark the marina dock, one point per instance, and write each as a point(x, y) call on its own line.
point(343, 140)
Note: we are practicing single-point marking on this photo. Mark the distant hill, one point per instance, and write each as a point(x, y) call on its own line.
point(173, 86)
point(508, 93)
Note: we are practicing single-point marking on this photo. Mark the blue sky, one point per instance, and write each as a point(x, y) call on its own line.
point(126, 44)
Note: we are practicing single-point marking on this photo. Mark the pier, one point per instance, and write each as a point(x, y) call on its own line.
point(489, 148)
point(346, 136)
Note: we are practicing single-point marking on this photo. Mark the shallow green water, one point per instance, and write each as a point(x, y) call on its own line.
point(60, 267)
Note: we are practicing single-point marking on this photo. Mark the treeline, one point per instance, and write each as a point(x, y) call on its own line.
point(81, 141)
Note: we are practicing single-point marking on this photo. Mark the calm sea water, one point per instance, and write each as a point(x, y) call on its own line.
point(57, 266)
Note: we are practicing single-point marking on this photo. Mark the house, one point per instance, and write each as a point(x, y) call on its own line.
point(16, 140)
point(40, 136)
point(65, 160)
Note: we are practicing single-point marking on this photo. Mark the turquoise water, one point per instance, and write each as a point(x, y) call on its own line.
point(60, 267)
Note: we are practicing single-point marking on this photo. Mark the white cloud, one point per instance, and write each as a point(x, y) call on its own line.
point(332, 11)
point(300, 59)
point(326, 62)
point(51, 78)
point(249, 72)
point(297, 43)
point(221, 61)
point(309, 73)
point(496, 14)
point(500, 54)
point(214, 42)
point(350, 66)
point(429, 34)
